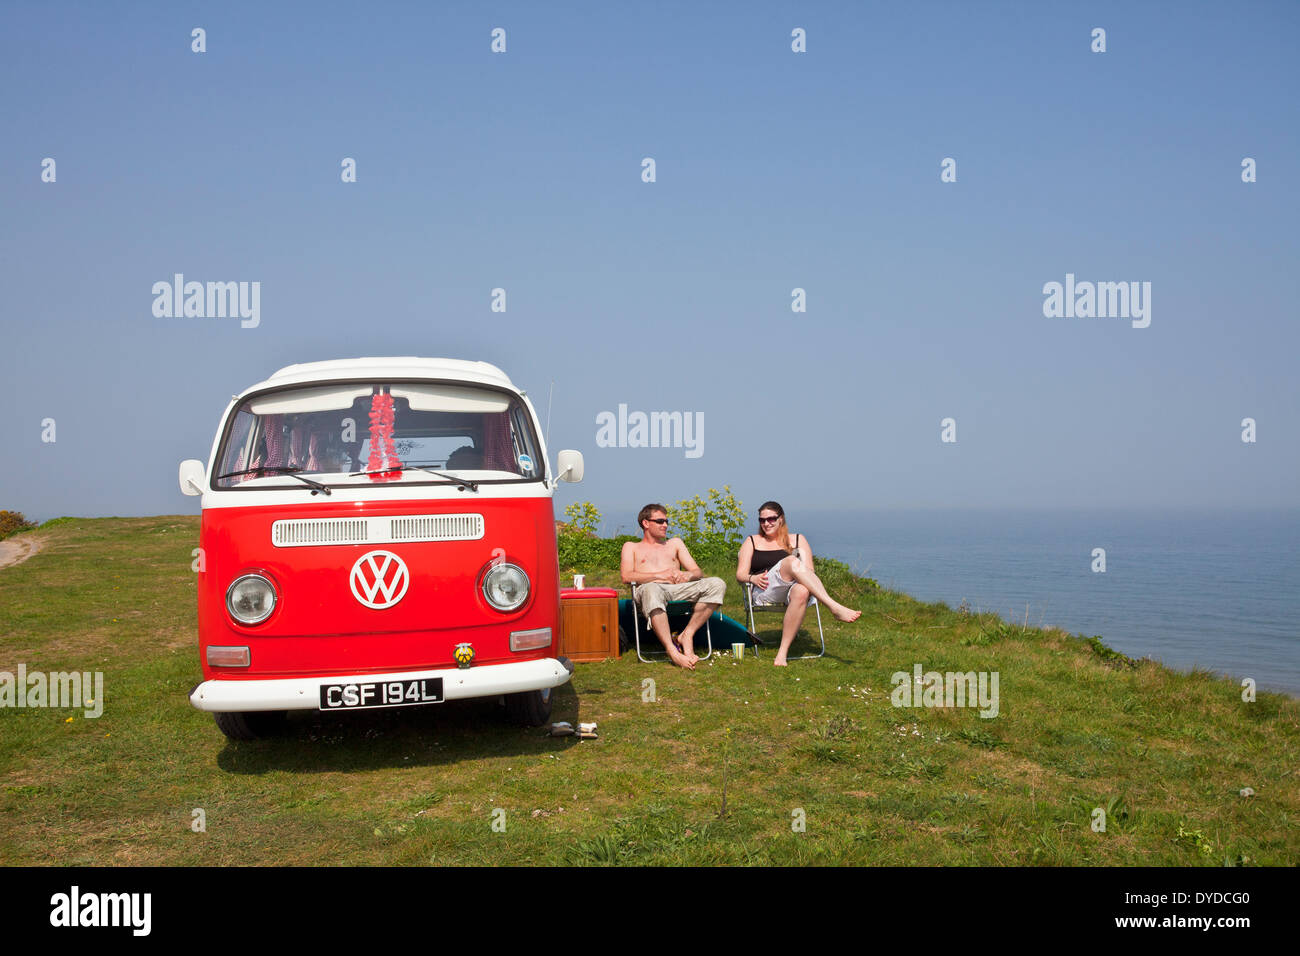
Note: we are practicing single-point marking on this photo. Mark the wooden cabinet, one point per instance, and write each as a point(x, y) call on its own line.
point(589, 624)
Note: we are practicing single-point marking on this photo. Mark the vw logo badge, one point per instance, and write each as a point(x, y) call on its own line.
point(379, 579)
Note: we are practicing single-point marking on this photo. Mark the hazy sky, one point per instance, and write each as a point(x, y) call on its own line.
point(774, 170)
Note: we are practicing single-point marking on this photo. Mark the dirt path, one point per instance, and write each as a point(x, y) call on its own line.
point(17, 550)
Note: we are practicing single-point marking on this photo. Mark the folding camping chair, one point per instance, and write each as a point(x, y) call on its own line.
point(751, 608)
point(689, 607)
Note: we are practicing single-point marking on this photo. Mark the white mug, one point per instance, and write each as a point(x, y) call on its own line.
point(579, 581)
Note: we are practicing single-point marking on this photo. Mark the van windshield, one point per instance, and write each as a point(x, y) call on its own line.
point(333, 433)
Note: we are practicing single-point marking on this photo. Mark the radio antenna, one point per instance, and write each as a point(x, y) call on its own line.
point(549, 396)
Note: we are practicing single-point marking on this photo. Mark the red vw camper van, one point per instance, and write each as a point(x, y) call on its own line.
point(377, 532)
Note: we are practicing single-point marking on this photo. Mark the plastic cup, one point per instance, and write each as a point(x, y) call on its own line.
point(738, 650)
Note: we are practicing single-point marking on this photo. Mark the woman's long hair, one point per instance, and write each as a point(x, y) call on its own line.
point(782, 532)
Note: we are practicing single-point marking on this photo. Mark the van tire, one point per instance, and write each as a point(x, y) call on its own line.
point(532, 708)
point(250, 725)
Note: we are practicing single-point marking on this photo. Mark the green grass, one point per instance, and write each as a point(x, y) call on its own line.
point(1164, 754)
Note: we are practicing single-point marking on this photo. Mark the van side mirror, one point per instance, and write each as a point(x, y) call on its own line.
point(191, 476)
point(568, 466)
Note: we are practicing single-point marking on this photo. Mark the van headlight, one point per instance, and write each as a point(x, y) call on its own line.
point(250, 599)
point(505, 586)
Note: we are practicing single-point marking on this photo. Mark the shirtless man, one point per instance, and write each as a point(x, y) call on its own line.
point(653, 563)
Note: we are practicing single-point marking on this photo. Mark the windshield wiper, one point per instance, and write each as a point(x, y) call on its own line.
point(463, 483)
point(289, 470)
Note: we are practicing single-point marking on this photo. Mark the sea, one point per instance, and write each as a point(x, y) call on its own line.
point(1214, 590)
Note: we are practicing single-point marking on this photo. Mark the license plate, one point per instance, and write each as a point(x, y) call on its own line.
point(392, 693)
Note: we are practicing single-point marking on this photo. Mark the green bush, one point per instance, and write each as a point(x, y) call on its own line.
point(589, 554)
point(711, 529)
point(12, 522)
point(583, 521)
point(579, 548)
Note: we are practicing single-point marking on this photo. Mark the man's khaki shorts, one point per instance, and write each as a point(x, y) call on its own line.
point(655, 595)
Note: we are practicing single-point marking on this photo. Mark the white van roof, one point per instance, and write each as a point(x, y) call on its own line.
point(409, 366)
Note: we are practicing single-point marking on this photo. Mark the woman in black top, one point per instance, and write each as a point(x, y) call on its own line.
point(781, 570)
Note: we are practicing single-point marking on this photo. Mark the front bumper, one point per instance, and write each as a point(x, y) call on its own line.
point(303, 693)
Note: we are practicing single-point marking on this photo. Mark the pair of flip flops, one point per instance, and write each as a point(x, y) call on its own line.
point(563, 728)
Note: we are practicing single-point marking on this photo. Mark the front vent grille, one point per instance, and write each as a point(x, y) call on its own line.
point(436, 528)
point(383, 529)
point(309, 531)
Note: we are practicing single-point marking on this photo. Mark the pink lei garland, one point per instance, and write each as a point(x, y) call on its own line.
point(382, 454)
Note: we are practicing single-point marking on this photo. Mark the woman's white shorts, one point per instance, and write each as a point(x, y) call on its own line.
point(778, 588)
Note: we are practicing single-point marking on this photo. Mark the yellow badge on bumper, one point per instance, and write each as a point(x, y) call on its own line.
point(464, 655)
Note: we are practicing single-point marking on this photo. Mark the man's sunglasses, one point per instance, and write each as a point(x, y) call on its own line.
point(657, 520)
